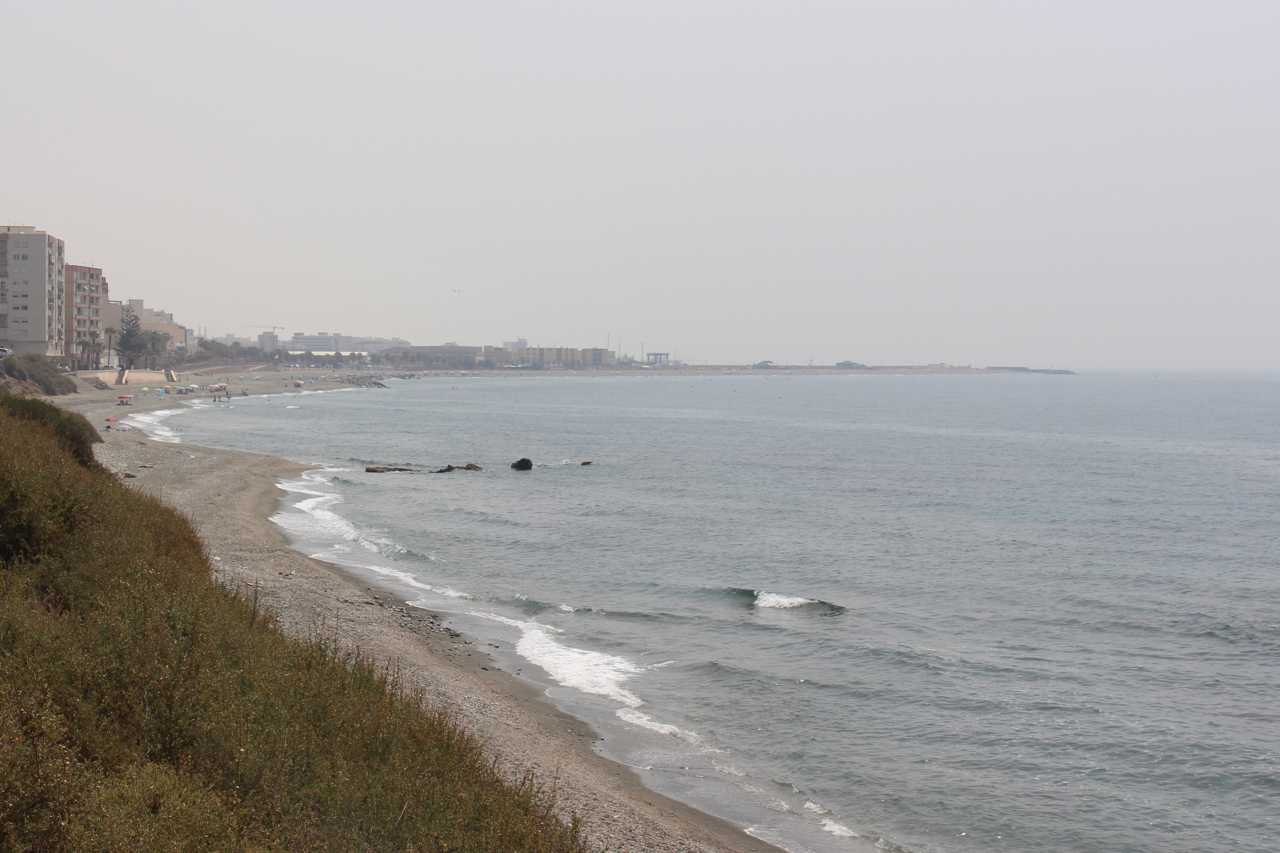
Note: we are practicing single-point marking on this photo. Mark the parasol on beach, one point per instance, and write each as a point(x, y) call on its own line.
point(117, 420)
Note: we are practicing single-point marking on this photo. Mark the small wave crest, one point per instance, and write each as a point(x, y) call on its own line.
point(839, 830)
point(644, 721)
point(766, 600)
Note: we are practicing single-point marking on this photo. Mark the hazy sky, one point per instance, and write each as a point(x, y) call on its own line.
point(1079, 184)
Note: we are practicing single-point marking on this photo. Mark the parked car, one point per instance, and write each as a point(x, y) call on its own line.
point(5, 351)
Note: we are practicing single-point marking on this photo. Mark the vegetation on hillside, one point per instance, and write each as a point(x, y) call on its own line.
point(145, 707)
point(39, 371)
point(70, 429)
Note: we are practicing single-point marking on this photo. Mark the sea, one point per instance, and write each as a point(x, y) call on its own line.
point(927, 614)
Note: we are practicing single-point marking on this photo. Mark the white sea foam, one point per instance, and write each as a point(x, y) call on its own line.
point(644, 721)
point(837, 829)
point(591, 672)
point(774, 599)
point(153, 424)
point(316, 519)
point(810, 805)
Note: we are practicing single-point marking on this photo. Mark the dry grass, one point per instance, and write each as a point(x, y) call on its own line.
point(144, 707)
point(39, 371)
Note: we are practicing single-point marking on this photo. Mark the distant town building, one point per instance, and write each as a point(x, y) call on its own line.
point(447, 356)
point(154, 320)
point(32, 291)
point(85, 297)
point(566, 357)
point(517, 344)
point(268, 342)
point(327, 343)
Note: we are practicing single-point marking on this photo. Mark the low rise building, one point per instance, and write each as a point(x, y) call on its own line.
point(325, 342)
point(449, 356)
point(566, 357)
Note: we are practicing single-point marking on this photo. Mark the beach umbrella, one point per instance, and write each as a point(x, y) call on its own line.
point(113, 419)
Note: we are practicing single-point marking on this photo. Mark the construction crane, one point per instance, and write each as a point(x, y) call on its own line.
point(272, 328)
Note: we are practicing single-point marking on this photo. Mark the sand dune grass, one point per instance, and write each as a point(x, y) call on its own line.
point(143, 706)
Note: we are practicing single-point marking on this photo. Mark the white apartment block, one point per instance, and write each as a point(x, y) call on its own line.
point(32, 284)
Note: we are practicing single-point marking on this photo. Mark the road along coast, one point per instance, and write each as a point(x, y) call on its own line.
point(230, 496)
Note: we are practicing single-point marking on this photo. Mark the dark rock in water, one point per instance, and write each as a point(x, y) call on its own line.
point(586, 463)
point(523, 464)
point(470, 466)
point(383, 469)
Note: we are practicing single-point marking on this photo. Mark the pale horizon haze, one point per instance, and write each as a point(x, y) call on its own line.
point(1081, 185)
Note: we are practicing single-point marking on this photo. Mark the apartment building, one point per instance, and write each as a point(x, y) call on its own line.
point(85, 297)
point(149, 320)
point(325, 343)
point(32, 291)
point(553, 357)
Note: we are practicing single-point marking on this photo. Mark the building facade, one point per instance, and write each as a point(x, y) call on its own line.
point(32, 291)
point(558, 357)
point(85, 294)
point(324, 342)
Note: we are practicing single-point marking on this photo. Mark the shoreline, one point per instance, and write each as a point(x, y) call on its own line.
point(230, 497)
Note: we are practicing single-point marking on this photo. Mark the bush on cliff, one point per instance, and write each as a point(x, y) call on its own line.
point(39, 371)
point(143, 706)
point(71, 429)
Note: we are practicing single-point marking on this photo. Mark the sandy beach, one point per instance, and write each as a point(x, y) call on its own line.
point(230, 496)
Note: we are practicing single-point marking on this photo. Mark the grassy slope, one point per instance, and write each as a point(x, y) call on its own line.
point(144, 707)
point(38, 372)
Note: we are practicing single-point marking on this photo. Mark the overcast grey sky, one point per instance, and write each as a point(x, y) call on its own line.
point(1083, 184)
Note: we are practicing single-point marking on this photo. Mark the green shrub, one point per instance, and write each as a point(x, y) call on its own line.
point(39, 371)
point(145, 707)
point(73, 429)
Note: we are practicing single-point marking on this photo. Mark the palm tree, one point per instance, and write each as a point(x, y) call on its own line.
point(83, 345)
point(156, 343)
point(95, 347)
point(110, 332)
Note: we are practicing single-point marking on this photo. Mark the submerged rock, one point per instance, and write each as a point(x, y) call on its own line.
point(586, 463)
point(523, 465)
point(470, 466)
point(384, 469)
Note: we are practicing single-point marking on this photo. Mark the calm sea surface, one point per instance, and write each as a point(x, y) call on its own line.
point(953, 613)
